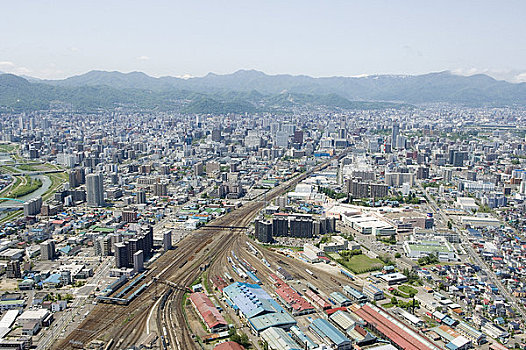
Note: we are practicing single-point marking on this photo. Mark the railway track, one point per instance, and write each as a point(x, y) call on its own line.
point(125, 325)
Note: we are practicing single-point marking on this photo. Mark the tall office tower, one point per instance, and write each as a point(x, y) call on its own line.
point(281, 139)
point(95, 190)
point(21, 122)
point(216, 135)
point(394, 135)
point(298, 136)
point(274, 128)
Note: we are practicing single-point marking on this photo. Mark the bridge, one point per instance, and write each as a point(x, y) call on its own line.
point(228, 227)
point(12, 199)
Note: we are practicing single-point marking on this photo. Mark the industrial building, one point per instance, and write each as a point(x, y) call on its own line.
point(208, 313)
point(439, 247)
point(255, 305)
point(330, 334)
point(373, 292)
point(278, 339)
point(387, 326)
point(294, 302)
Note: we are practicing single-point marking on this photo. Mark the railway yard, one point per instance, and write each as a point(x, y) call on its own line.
point(156, 311)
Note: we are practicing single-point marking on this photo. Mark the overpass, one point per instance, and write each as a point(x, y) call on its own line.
point(11, 199)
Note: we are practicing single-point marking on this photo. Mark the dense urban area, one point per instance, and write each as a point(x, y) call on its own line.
point(318, 228)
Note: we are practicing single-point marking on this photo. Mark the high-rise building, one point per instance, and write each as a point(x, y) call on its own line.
point(281, 139)
point(33, 206)
point(280, 226)
point(199, 168)
point(141, 197)
point(394, 135)
point(138, 261)
point(95, 190)
point(13, 269)
point(300, 227)
point(47, 250)
point(216, 135)
point(422, 173)
point(298, 136)
point(160, 189)
point(263, 231)
point(121, 255)
point(167, 240)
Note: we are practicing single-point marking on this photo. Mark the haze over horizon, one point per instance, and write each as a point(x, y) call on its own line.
point(61, 39)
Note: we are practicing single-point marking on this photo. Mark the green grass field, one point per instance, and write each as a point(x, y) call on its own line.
point(26, 186)
point(57, 179)
point(408, 290)
point(362, 263)
point(6, 148)
point(6, 169)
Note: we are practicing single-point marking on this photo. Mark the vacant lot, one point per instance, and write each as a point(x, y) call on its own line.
point(361, 264)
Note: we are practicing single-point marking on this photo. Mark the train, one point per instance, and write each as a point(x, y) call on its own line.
point(344, 272)
point(310, 273)
point(252, 248)
point(253, 277)
point(234, 255)
point(229, 278)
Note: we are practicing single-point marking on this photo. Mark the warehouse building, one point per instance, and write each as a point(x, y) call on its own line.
point(294, 302)
point(208, 313)
point(373, 292)
point(253, 304)
point(339, 299)
point(278, 339)
point(329, 334)
point(302, 339)
point(387, 326)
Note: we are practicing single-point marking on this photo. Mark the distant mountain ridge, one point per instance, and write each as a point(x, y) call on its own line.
point(135, 91)
point(428, 88)
point(249, 91)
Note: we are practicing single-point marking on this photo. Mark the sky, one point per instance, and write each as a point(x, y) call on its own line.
point(57, 39)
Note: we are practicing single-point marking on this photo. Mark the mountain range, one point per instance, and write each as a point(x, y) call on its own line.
point(248, 91)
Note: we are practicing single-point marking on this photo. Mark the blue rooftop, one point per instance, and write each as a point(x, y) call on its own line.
point(54, 279)
point(326, 330)
point(251, 299)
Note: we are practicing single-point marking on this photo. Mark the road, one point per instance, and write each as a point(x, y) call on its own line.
point(476, 257)
point(68, 315)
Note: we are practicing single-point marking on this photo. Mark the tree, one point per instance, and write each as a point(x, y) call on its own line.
point(398, 255)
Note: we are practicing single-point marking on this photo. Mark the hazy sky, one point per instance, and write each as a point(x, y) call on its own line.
point(55, 39)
